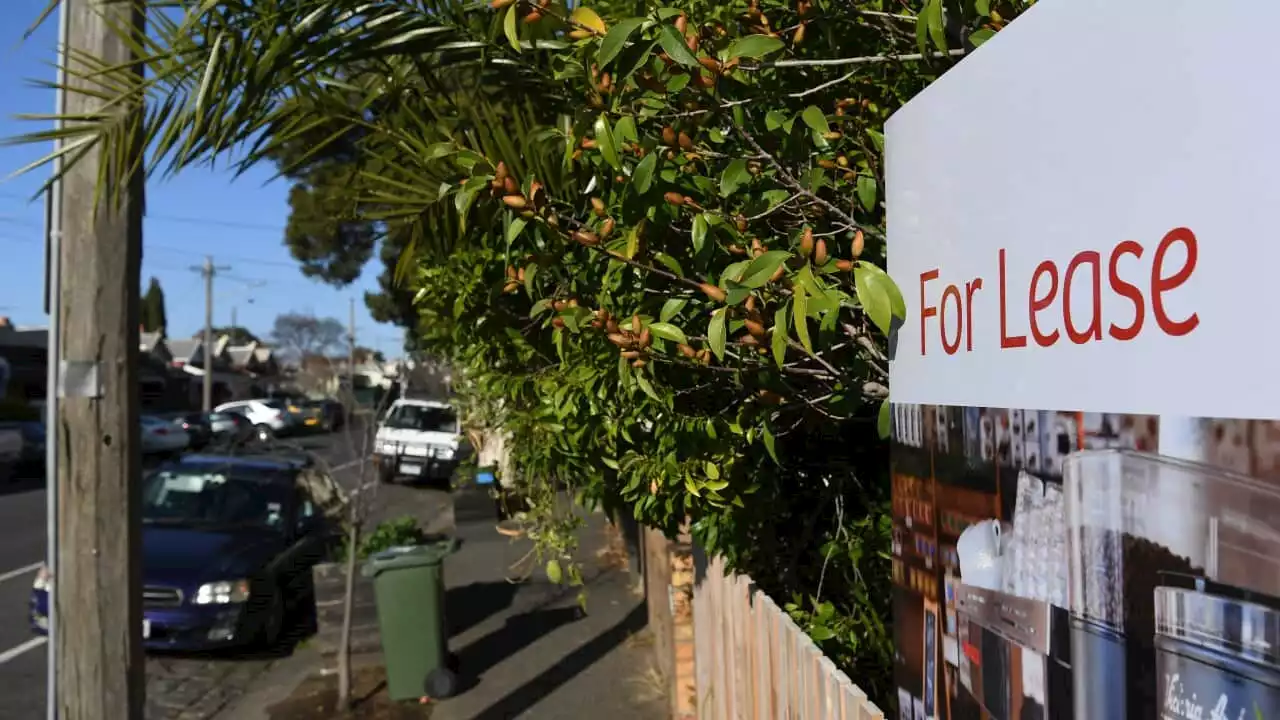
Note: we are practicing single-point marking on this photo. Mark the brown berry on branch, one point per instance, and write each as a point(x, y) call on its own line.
point(712, 292)
point(586, 237)
point(820, 253)
point(806, 242)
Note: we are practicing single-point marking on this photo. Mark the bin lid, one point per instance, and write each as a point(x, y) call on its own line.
point(410, 556)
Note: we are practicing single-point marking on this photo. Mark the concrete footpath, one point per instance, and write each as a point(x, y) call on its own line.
point(525, 650)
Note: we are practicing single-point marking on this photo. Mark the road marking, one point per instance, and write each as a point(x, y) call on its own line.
point(20, 571)
point(14, 652)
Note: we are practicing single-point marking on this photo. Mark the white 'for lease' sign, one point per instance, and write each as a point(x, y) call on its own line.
point(1082, 214)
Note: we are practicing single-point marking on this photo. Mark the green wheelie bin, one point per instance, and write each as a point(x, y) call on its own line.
point(408, 584)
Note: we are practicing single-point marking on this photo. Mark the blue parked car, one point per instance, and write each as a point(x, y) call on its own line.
point(227, 549)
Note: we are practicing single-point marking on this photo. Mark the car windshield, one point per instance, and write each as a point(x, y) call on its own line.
point(423, 418)
point(220, 417)
point(153, 420)
point(274, 404)
point(205, 499)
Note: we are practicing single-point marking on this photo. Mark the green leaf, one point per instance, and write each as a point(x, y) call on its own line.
point(770, 443)
point(753, 46)
point(735, 175)
point(699, 231)
point(816, 120)
point(530, 271)
point(759, 270)
point(981, 36)
point(933, 13)
point(667, 331)
point(515, 228)
point(877, 139)
point(820, 633)
point(716, 332)
point(587, 17)
point(616, 40)
point(509, 27)
point(774, 119)
point(882, 419)
point(922, 29)
point(878, 295)
point(604, 141)
point(867, 191)
point(982, 7)
point(624, 131)
point(642, 178)
point(672, 308)
point(673, 45)
point(778, 342)
point(692, 487)
point(800, 316)
point(647, 388)
point(671, 263)
point(711, 469)
point(553, 565)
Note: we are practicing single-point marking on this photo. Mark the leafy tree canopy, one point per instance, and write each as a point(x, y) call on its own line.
point(299, 335)
point(239, 335)
point(152, 310)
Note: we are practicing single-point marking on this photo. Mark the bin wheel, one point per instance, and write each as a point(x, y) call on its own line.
point(441, 683)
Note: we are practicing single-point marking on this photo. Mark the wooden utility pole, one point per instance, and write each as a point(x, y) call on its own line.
point(208, 270)
point(97, 589)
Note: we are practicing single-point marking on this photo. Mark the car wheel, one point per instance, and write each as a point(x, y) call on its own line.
point(263, 433)
point(273, 621)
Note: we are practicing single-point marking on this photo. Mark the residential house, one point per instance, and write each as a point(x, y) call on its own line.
point(156, 345)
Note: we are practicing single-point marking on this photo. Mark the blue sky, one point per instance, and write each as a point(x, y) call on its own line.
point(198, 212)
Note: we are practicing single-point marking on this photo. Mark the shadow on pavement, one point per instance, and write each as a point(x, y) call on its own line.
point(533, 691)
point(519, 632)
point(470, 605)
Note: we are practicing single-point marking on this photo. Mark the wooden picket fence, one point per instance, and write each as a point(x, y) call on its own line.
point(754, 663)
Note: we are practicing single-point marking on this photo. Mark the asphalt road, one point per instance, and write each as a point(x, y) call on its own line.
point(174, 685)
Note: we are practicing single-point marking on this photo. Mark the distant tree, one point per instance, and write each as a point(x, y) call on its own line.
point(152, 310)
point(298, 335)
point(239, 335)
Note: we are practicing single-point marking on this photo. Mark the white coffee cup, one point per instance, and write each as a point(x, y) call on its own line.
point(979, 550)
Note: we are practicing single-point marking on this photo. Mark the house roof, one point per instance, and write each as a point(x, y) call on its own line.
point(240, 356)
point(183, 350)
point(23, 337)
point(148, 341)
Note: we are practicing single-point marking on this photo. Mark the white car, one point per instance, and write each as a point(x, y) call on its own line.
point(420, 439)
point(162, 436)
point(268, 417)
